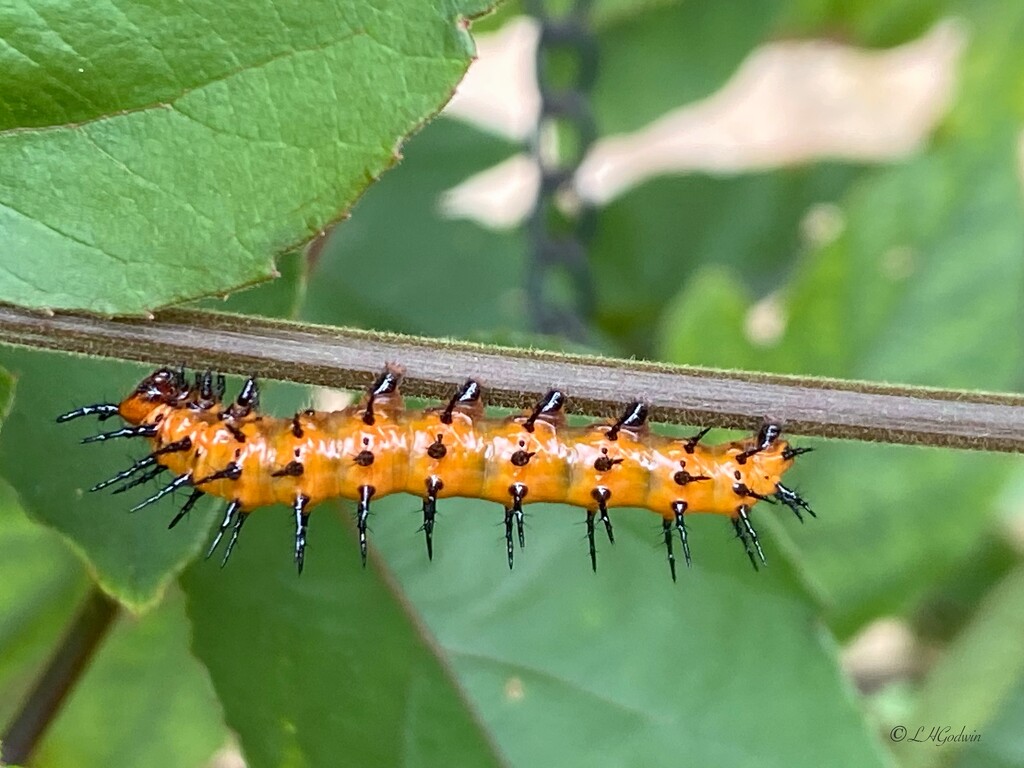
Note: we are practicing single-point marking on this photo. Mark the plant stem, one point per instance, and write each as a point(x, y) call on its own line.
point(70, 659)
point(347, 358)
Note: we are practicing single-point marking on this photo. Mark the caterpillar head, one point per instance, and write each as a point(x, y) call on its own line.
point(162, 387)
point(768, 458)
point(767, 468)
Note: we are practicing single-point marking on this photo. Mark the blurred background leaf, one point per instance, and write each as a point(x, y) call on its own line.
point(167, 714)
point(329, 659)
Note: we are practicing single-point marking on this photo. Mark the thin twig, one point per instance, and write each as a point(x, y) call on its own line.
point(42, 704)
point(347, 358)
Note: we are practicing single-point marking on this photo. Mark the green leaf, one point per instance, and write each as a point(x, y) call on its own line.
point(307, 667)
point(1001, 745)
point(6, 394)
point(979, 674)
point(864, 21)
point(132, 556)
point(919, 284)
point(329, 664)
point(157, 152)
point(929, 267)
point(704, 323)
point(671, 227)
point(166, 713)
point(38, 593)
point(650, 662)
point(876, 304)
point(281, 297)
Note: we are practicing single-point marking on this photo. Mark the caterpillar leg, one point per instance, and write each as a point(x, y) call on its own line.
point(601, 496)
point(794, 501)
point(143, 463)
point(186, 508)
point(678, 509)
point(103, 411)
point(387, 383)
point(301, 525)
point(231, 472)
point(549, 406)
point(171, 487)
point(142, 479)
point(691, 443)
point(518, 492)
point(740, 489)
point(144, 430)
point(468, 398)
point(362, 515)
point(248, 399)
point(747, 535)
point(666, 526)
point(434, 485)
point(209, 395)
point(634, 418)
point(229, 516)
point(509, 516)
point(591, 514)
point(792, 453)
point(765, 439)
point(240, 519)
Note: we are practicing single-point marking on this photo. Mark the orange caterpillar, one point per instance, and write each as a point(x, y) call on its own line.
point(378, 447)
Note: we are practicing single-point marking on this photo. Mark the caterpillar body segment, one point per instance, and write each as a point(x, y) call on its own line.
point(378, 447)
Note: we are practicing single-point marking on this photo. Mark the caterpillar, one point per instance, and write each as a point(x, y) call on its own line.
point(378, 447)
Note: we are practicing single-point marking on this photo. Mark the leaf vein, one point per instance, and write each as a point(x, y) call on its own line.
point(65, 235)
point(185, 92)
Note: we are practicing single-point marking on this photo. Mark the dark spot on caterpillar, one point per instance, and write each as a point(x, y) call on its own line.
point(691, 444)
point(522, 458)
point(291, 469)
point(605, 464)
point(386, 384)
point(231, 472)
point(466, 398)
point(437, 449)
point(236, 433)
point(634, 418)
point(548, 409)
point(682, 477)
point(364, 458)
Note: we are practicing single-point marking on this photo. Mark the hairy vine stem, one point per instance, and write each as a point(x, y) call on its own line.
point(341, 357)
